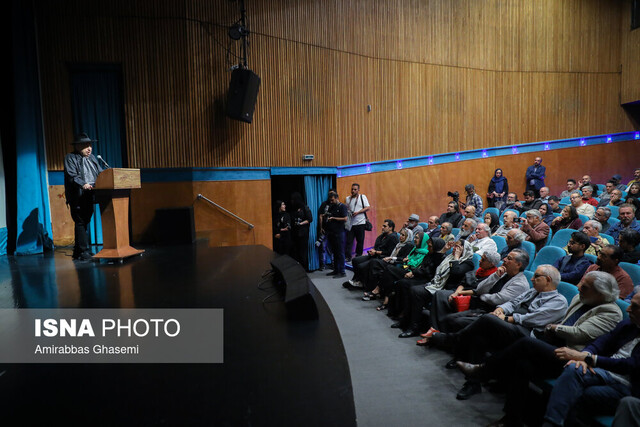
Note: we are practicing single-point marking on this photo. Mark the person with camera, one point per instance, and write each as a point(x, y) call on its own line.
point(357, 205)
point(472, 198)
point(322, 243)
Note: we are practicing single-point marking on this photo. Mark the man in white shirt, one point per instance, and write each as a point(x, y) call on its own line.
point(357, 205)
point(582, 208)
point(481, 241)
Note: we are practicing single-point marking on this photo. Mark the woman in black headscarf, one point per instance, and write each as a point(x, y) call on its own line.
point(492, 220)
point(282, 229)
point(547, 214)
point(301, 219)
point(498, 189)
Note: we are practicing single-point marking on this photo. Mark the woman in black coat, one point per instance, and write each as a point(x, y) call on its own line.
point(301, 219)
point(282, 229)
point(498, 189)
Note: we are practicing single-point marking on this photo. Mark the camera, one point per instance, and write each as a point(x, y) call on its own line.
point(320, 240)
point(455, 196)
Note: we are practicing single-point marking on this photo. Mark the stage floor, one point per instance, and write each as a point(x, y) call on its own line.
point(277, 371)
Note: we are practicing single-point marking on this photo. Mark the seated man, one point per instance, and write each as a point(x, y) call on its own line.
point(616, 181)
point(571, 186)
point(608, 260)
point(602, 373)
point(433, 229)
point(481, 241)
point(530, 311)
point(587, 196)
point(586, 180)
point(472, 198)
point(452, 215)
point(581, 207)
point(592, 313)
point(636, 178)
point(602, 215)
point(544, 195)
point(469, 213)
point(573, 266)
point(627, 217)
point(445, 232)
point(514, 240)
point(413, 224)
point(512, 198)
point(605, 197)
point(384, 244)
point(530, 202)
point(508, 219)
point(506, 283)
point(554, 204)
point(468, 226)
point(535, 229)
point(628, 413)
point(629, 240)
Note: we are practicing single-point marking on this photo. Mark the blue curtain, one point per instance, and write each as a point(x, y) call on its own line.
point(33, 213)
point(97, 110)
point(3, 209)
point(316, 188)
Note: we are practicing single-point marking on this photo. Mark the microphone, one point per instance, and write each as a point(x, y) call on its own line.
point(99, 157)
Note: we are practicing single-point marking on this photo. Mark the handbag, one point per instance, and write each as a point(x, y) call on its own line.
point(367, 224)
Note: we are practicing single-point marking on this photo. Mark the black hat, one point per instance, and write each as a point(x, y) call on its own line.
point(83, 138)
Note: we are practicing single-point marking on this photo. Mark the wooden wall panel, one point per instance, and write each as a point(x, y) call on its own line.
point(399, 193)
point(441, 76)
point(630, 58)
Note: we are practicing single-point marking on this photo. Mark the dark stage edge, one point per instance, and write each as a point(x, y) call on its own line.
point(277, 371)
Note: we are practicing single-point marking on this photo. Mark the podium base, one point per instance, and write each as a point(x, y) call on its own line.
point(119, 253)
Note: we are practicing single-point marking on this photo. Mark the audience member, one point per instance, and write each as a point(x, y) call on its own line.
point(530, 202)
point(529, 312)
point(626, 215)
point(452, 215)
point(608, 260)
point(568, 219)
point(587, 196)
point(502, 284)
point(512, 198)
point(449, 275)
point(514, 239)
point(592, 313)
point(592, 229)
point(413, 224)
point(535, 176)
point(601, 374)
point(586, 180)
point(492, 220)
point(573, 266)
point(508, 219)
point(445, 232)
point(616, 180)
point(571, 186)
point(582, 208)
point(629, 240)
point(498, 189)
point(433, 227)
point(615, 199)
point(602, 215)
point(636, 179)
point(535, 229)
point(547, 215)
point(627, 413)
point(605, 197)
point(469, 213)
point(468, 226)
point(481, 240)
point(383, 246)
point(544, 195)
point(554, 204)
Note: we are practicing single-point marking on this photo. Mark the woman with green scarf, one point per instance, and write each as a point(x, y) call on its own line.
point(410, 263)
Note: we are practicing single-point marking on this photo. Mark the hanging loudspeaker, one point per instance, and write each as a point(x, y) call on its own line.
point(243, 92)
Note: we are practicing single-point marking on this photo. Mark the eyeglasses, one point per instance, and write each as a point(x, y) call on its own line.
point(536, 275)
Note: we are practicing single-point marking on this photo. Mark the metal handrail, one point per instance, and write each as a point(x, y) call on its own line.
point(200, 196)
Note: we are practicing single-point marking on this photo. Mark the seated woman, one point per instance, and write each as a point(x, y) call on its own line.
point(592, 229)
point(449, 274)
point(568, 219)
point(492, 220)
point(422, 274)
point(378, 266)
point(547, 215)
point(411, 263)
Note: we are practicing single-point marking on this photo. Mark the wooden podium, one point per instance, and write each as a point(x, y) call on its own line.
point(114, 186)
